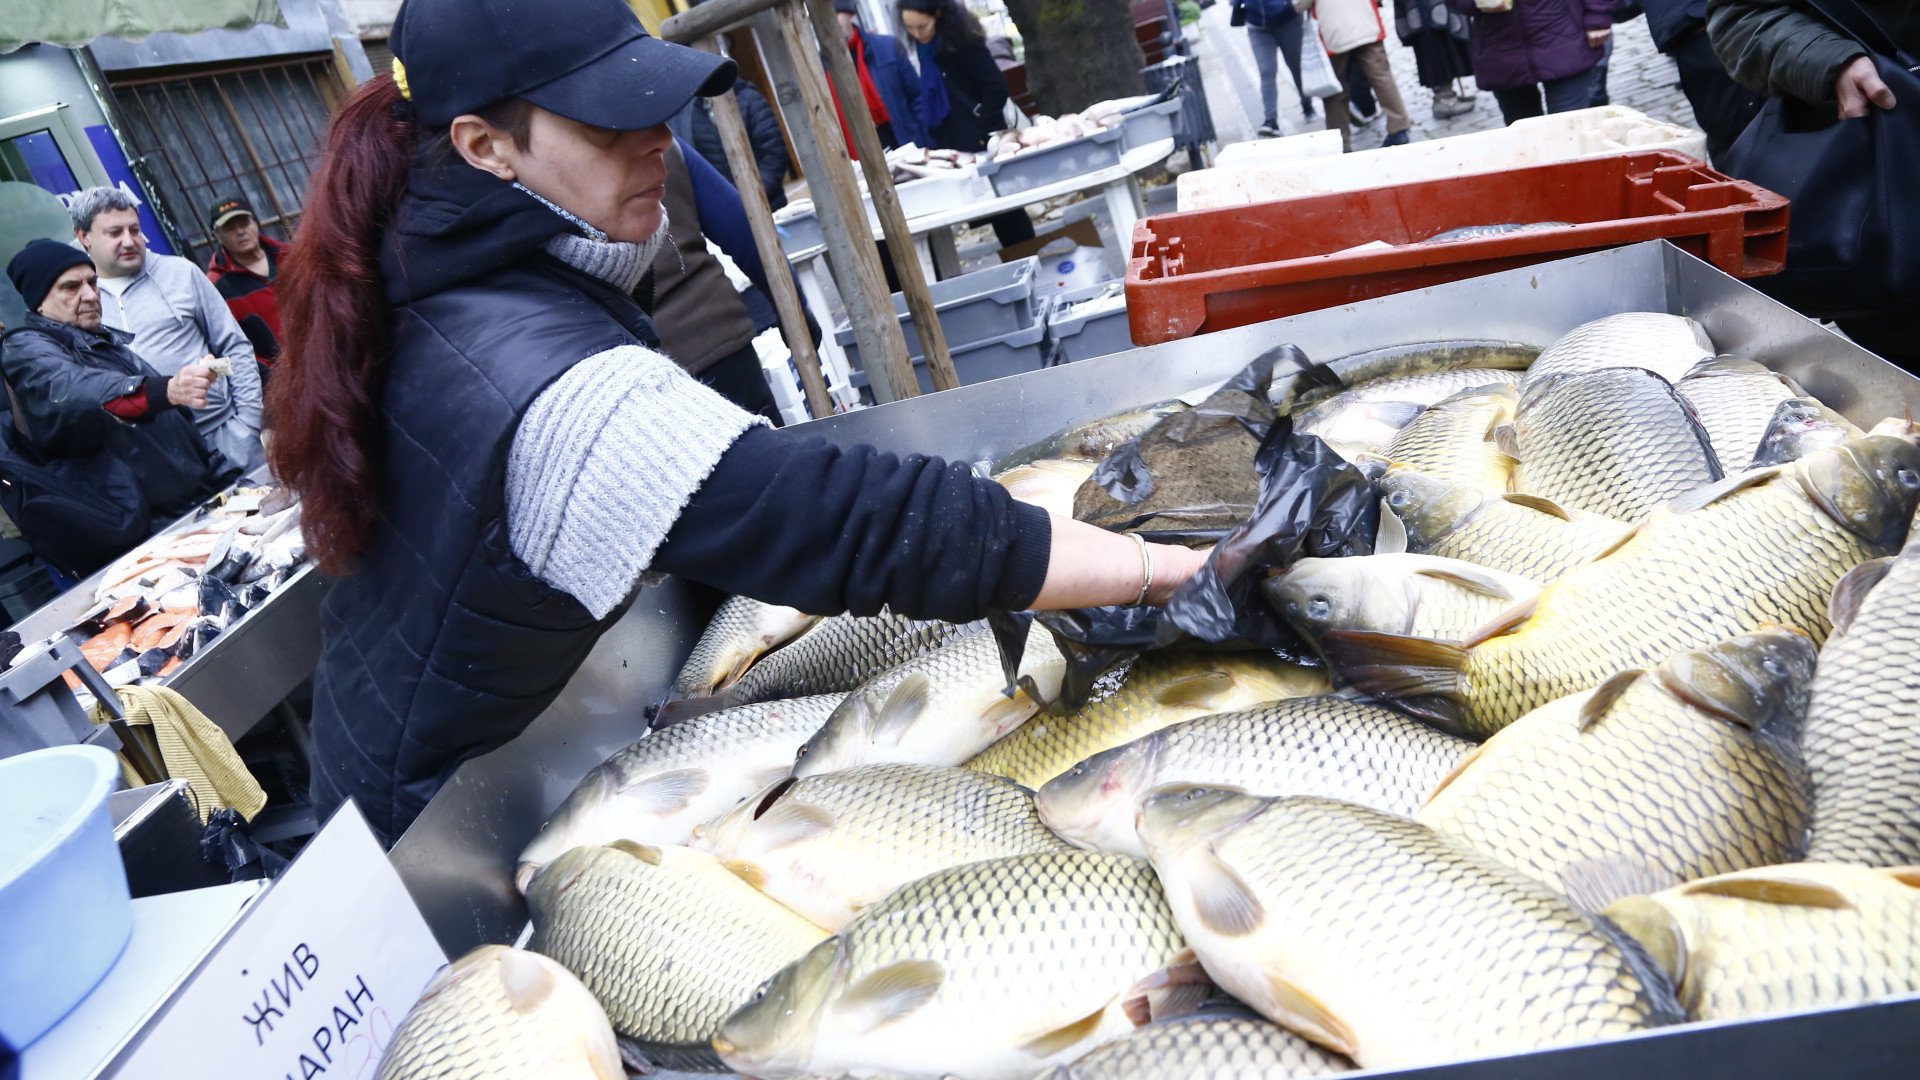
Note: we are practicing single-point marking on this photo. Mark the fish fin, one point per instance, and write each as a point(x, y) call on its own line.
point(643, 852)
point(1452, 775)
point(734, 673)
point(1619, 542)
point(1604, 695)
point(1390, 537)
point(667, 792)
point(1194, 689)
point(1306, 1014)
point(1540, 503)
point(1221, 897)
point(772, 775)
point(1785, 890)
point(1007, 713)
point(1592, 884)
point(1395, 414)
point(1648, 922)
point(1852, 590)
point(748, 872)
point(1419, 676)
point(527, 982)
point(1470, 578)
point(1064, 1037)
point(1905, 875)
point(890, 993)
point(633, 1057)
point(1701, 498)
point(902, 708)
point(1175, 990)
point(790, 822)
point(1504, 622)
point(1505, 438)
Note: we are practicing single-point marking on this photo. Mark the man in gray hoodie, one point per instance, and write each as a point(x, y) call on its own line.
point(176, 317)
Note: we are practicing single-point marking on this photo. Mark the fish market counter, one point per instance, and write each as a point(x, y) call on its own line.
point(458, 858)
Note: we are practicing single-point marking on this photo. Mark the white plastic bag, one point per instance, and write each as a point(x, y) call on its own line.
point(1316, 67)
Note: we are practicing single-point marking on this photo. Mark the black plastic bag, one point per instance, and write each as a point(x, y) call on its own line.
point(227, 843)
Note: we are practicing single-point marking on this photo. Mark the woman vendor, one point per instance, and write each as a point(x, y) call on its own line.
point(492, 454)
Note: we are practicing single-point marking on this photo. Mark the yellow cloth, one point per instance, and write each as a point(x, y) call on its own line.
point(193, 748)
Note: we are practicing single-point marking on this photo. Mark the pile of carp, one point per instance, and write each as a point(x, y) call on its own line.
point(1618, 728)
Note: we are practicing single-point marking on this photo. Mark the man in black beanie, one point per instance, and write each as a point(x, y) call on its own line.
point(79, 391)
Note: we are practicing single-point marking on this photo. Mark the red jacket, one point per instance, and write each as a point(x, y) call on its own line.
point(247, 293)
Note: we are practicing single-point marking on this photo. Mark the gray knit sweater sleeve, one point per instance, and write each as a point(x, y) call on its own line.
point(609, 453)
point(603, 462)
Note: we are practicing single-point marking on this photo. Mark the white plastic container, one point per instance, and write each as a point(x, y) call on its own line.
point(65, 912)
point(1312, 144)
point(918, 198)
point(1540, 140)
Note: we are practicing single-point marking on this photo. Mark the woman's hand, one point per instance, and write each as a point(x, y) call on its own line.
point(1859, 83)
point(1091, 567)
point(1598, 38)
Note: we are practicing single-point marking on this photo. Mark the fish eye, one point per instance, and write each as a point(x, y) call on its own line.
point(1398, 500)
point(1772, 666)
point(1907, 478)
point(1319, 608)
point(1196, 793)
point(760, 991)
point(802, 752)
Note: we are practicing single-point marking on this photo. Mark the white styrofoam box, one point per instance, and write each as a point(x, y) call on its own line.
point(1311, 144)
point(1540, 140)
point(918, 198)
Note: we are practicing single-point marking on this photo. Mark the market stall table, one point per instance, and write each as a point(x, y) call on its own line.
point(1119, 186)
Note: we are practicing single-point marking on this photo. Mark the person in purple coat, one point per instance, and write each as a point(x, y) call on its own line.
point(1537, 56)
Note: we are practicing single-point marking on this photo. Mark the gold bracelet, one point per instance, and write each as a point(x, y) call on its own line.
point(1146, 569)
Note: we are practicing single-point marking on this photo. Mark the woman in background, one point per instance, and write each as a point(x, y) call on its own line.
point(963, 96)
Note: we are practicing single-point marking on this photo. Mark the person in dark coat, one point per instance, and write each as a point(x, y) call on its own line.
point(1537, 56)
point(887, 80)
point(1723, 108)
point(963, 96)
point(1438, 37)
point(694, 126)
point(82, 392)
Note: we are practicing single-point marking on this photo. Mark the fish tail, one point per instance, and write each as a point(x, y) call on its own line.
point(1418, 676)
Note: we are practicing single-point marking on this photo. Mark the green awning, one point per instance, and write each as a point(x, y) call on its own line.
point(77, 22)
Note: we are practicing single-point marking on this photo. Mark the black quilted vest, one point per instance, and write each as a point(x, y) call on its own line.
point(443, 645)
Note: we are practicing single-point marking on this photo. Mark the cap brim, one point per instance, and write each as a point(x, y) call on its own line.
point(229, 216)
point(639, 84)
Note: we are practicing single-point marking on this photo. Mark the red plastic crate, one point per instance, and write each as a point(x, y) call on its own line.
point(1208, 270)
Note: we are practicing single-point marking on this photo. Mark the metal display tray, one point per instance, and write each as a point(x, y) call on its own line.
point(1052, 164)
point(458, 859)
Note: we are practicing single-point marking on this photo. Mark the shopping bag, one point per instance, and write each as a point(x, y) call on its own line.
point(1316, 67)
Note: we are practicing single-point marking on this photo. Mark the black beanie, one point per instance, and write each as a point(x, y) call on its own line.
point(39, 265)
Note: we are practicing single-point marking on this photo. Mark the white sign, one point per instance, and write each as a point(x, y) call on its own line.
point(313, 982)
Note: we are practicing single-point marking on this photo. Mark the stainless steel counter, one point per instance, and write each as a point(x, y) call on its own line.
point(457, 858)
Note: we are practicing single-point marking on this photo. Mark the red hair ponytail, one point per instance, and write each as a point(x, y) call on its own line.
point(323, 401)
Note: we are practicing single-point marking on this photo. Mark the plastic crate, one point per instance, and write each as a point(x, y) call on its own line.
point(1149, 124)
point(972, 307)
point(1205, 270)
point(1539, 140)
point(928, 195)
point(1052, 164)
point(996, 357)
point(1081, 337)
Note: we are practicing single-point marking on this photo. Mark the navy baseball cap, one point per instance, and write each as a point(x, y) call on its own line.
point(587, 60)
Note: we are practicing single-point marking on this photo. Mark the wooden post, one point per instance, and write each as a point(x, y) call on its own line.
point(786, 297)
point(886, 202)
point(801, 85)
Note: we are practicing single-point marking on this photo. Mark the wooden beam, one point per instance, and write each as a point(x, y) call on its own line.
point(886, 202)
point(793, 60)
point(786, 296)
point(711, 17)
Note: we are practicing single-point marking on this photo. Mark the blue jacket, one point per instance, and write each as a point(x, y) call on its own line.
point(899, 86)
point(1262, 12)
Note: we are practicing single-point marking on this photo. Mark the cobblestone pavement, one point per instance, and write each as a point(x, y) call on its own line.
point(1639, 78)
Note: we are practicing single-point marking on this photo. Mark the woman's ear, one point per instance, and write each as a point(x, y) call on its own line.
point(483, 146)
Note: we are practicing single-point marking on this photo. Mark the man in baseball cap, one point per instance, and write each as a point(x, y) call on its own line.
point(244, 267)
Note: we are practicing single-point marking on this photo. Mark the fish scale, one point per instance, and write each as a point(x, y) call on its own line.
point(1005, 952)
point(1735, 401)
point(1763, 554)
point(1617, 442)
point(1668, 345)
point(1457, 521)
point(1327, 746)
point(1206, 1046)
point(503, 1013)
point(836, 655)
point(1373, 935)
point(1862, 738)
point(1133, 705)
point(740, 632)
point(1784, 938)
point(666, 939)
point(1453, 440)
point(1578, 793)
point(828, 846)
